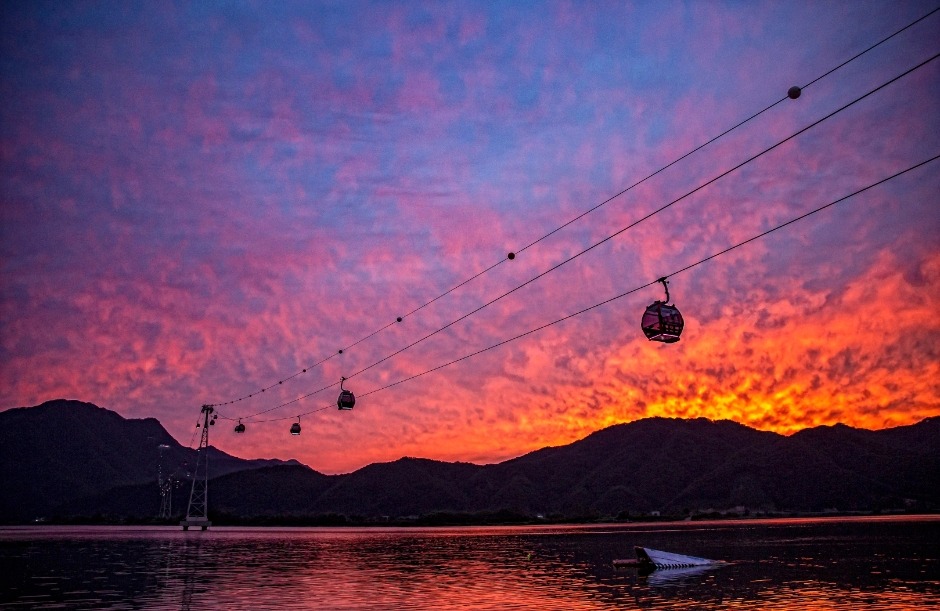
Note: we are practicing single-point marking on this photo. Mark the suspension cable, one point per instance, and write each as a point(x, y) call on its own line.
point(578, 217)
point(647, 216)
point(635, 289)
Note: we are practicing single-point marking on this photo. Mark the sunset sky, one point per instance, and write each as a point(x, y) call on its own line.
point(200, 200)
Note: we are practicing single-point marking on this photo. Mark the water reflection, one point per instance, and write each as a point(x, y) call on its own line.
point(879, 564)
point(669, 577)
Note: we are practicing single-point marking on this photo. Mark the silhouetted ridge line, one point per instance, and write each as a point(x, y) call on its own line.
point(97, 464)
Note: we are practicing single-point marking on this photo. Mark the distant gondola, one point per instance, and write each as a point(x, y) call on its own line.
point(346, 399)
point(239, 428)
point(662, 322)
point(295, 428)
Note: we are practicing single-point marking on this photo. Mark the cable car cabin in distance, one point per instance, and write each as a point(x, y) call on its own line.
point(662, 322)
point(295, 428)
point(346, 399)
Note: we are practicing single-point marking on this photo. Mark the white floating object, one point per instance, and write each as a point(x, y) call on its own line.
point(668, 560)
point(647, 558)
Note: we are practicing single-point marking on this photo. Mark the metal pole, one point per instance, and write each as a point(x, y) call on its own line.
point(198, 512)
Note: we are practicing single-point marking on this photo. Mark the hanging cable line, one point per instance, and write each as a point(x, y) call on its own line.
point(280, 405)
point(635, 289)
point(793, 93)
point(192, 440)
point(674, 273)
point(613, 235)
point(646, 217)
point(883, 40)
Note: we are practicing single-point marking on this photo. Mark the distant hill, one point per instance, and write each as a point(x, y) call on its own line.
point(66, 459)
point(61, 451)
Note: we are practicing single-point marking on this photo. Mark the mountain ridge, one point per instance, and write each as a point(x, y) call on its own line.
point(654, 465)
point(63, 450)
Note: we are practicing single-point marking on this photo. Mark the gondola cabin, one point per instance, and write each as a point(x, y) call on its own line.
point(662, 323)
point(295, 428)
point(239, 428)
point(346, 400)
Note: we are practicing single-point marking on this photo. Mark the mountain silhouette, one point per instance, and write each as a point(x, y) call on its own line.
point(61, 451)
point(67, 459)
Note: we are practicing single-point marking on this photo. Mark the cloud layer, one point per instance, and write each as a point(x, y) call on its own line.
point(200, 202)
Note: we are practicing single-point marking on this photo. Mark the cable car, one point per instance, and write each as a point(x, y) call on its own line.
point(346, 399)
point(295, 428)
point(239, 428)
point(662, 322)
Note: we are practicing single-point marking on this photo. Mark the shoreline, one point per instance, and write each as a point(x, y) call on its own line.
point(444, 521)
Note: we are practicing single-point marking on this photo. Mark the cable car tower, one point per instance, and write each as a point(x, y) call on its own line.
point(165, 485)
point(197, 513)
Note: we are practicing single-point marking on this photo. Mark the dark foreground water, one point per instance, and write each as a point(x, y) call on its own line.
point(871, 563)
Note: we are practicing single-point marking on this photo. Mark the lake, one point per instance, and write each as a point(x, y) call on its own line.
point(789, 564)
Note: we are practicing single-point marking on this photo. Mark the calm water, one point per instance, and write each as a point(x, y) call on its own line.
point(876, 563)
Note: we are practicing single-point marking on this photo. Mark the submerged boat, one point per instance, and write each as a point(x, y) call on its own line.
point(651, 559)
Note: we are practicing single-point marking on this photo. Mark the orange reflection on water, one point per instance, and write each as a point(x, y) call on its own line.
point(885, 564)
